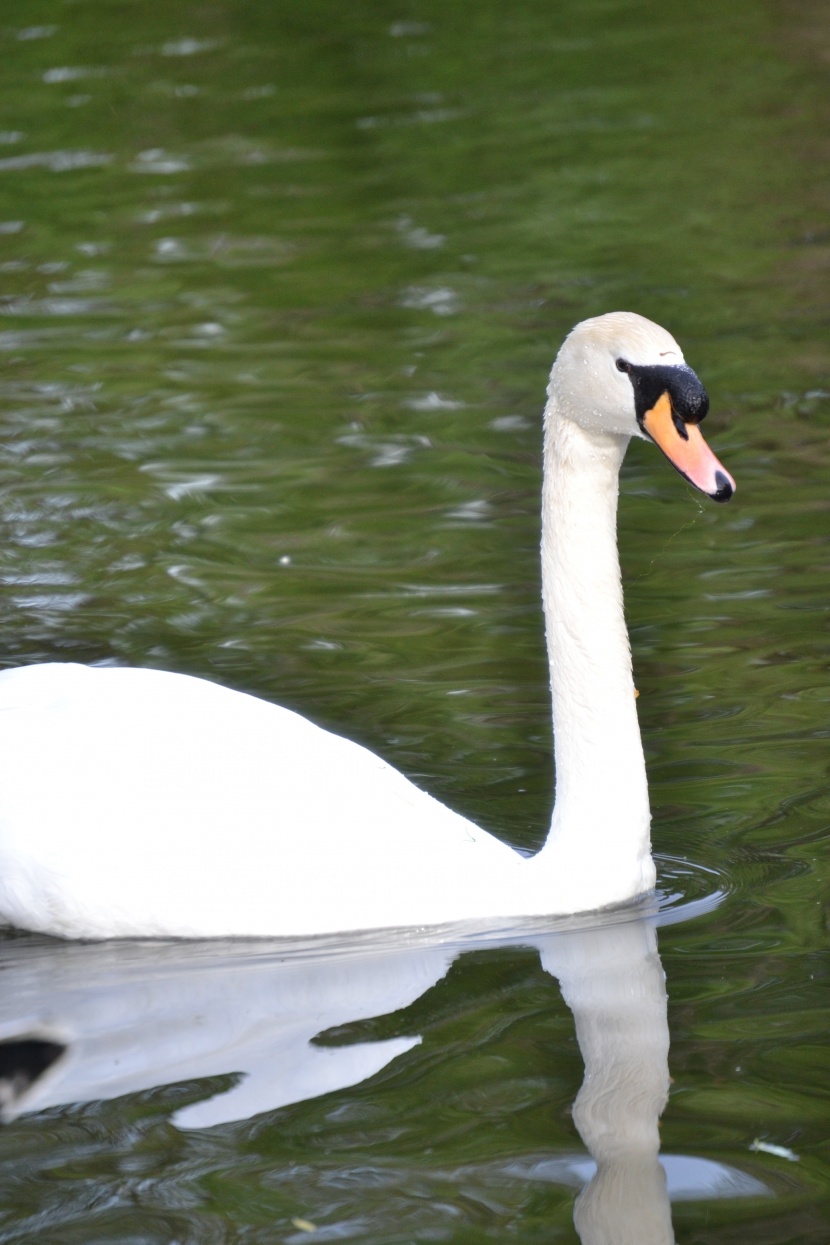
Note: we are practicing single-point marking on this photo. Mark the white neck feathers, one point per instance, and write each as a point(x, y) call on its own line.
point(601, 807)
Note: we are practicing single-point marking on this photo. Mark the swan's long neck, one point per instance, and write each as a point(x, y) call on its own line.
point(601, 810)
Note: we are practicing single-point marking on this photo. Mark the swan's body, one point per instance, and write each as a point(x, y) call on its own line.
point(141, 803)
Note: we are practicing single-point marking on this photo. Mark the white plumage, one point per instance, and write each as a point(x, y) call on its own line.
point(143, 803)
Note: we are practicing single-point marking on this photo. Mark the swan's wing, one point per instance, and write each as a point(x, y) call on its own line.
point(169, 804)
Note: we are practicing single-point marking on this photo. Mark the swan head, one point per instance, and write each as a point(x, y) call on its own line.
point(623, 375)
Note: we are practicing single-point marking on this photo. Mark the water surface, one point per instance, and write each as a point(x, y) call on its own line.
point(279, 290)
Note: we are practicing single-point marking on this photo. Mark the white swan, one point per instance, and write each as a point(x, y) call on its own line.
point(143, 803)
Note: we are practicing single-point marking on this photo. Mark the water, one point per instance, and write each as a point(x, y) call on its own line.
point(279, 291)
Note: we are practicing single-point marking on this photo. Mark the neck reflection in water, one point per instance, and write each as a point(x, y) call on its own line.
point(85, 1022)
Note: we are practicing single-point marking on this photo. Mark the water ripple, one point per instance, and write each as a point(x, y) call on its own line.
point(55, 161)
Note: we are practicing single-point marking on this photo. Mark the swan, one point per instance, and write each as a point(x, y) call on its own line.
point(141, 803)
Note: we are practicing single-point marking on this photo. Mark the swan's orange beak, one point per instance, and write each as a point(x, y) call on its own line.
point(686, 450)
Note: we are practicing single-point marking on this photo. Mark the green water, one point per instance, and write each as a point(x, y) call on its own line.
point(280, 286)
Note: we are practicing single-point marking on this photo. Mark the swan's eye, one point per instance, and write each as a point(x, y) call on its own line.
point(622, 366)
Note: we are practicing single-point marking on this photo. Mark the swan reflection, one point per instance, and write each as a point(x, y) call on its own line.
point(86, 1022)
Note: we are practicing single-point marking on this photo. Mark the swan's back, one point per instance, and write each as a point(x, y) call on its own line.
point(170, 804)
